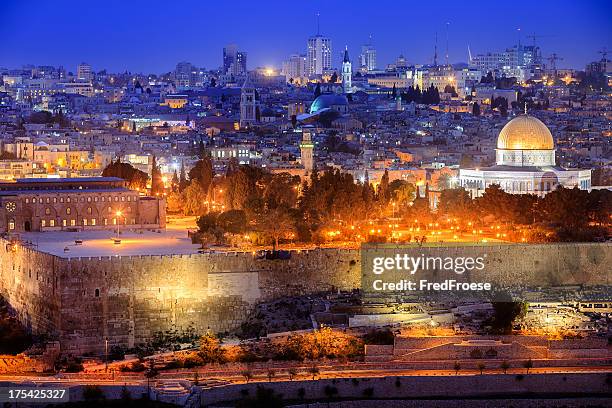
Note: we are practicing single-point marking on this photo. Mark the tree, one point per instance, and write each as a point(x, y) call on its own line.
point(247, 374)
point(183, 183)
point(481, 366)
point(271, 373)
point(276, 224)
point(457, 367)
point(292, 373)
point(202, 172)
point(136, 179)
point(528, 365)
point(314, 371)
point(334, 78)
point(504, 314)
point(157, 184)
point(384, 193)
point(505, 366)
point(194, 200)
point(317, 91)
point(232, 221)
point(210, 349)
point(476, 109)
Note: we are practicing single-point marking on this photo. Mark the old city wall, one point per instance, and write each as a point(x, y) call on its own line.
point(129, 299)
point(29, 282)
point(84, 301)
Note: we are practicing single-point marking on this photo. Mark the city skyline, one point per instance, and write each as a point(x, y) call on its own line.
point(144, 39)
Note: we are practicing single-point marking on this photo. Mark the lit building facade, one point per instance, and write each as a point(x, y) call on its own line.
point(76, 204)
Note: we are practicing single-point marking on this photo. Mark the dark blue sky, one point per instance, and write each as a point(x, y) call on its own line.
point(152, 36)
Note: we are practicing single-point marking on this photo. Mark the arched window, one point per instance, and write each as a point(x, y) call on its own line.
point(68, 211)
point(97, 293)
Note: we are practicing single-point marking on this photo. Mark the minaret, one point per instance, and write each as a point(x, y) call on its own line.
point(347, 72)
point(248, 104)
point(306, 150)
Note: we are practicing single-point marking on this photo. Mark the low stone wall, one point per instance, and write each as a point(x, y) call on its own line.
point(587, 384)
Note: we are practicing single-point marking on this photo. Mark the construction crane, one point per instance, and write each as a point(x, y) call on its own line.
point(534, 37)
point(553, 62)
point(604, 53)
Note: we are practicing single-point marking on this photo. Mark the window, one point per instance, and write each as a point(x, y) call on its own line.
point(97, 293)
point(89, 199)
point(68, 199)
point(33, 201)
point(54, 199)
point(43, 223)
point(72, 222)
point(106, 221)
point(93, 221)
point(27, 201)
point(103, 199)
point(89, 210)
point(48, 200)
point(47, 211)
point(116, 199)
point(52, 223)
point(123, 198)
point(11, 224)
point(64, 222)
point(68, 211)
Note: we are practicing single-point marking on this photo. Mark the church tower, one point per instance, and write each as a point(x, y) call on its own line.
point(347, 72)
point(249, 104)
point(306, 150)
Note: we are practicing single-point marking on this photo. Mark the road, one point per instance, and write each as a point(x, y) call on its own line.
point(282, 375)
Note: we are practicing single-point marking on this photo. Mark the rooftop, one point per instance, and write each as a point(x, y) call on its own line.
point(172, 241)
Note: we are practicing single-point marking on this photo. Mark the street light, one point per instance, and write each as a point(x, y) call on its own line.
point(118, 214)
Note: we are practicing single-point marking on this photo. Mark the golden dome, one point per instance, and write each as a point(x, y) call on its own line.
point(525, 133)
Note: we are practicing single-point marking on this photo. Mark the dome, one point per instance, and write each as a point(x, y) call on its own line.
point(525, 132)
point(328, 101)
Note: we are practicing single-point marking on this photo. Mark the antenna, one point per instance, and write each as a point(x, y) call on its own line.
point(318, 23)
point(604, 53)
point(469, 54)
point(519, 36)
point(447, 24)
point(435, 61)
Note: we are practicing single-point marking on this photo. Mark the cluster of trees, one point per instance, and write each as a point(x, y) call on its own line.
point(430, 96)
point(562, 215)
point(46, 117)
point(136, 179)
point(270, 207)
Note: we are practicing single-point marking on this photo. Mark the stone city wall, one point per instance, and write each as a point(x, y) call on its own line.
point(127, 299)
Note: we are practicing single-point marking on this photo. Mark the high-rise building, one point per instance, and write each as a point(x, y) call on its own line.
point(519, 61)
point(347, 72)
point(294, 69)
point(84, 72)
point(249, 104)
point(182, 74)
point(367, 58)
point(319, 55)
point(234, 61)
